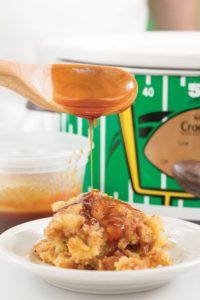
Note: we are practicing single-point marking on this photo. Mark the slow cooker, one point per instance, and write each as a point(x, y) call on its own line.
point(134, 152)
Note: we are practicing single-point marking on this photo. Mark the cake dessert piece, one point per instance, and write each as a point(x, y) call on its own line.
point(97, 232)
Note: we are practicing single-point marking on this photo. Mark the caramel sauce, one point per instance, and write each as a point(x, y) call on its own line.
point(101, 208)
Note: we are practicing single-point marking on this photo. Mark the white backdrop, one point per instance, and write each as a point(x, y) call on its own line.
point(24, 24)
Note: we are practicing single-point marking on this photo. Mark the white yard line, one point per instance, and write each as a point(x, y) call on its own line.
point(146, 200)
point(165, 94)
point(183, 81)
point(163, 181)
point(80, 125)
point(180, 202)
point(116, 195)
point(89, 188)
point(102, 152)
point(148, 79)
point(164, 108)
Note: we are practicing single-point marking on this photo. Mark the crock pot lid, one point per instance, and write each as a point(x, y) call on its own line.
point(171, 50)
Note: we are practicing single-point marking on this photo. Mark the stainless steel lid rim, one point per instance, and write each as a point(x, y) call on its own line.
point(143, 70)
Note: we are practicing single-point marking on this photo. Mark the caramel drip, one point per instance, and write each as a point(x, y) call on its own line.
point(98, 207)
point(91, 122)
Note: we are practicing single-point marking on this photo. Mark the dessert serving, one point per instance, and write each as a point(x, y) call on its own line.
point(91, 231)
point(97, 232)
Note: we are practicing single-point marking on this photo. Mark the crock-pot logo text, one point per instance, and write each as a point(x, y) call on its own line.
point(191, 126)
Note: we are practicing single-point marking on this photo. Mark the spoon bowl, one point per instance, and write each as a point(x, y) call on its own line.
point(83, 90)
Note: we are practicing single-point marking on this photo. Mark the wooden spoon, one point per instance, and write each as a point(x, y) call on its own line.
point(83, 90)
point(187, 174)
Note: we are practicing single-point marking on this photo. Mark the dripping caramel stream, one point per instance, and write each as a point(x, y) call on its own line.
point(91, 124)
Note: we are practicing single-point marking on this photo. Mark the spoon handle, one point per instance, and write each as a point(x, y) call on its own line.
point(15, 76)
point(8, 72)
point(19, 78)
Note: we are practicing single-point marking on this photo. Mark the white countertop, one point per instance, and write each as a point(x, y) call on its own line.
point(18, 284)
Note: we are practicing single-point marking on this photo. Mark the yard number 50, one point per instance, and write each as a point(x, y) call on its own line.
point(194, 90)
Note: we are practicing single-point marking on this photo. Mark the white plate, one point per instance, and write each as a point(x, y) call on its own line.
point(16, 244)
